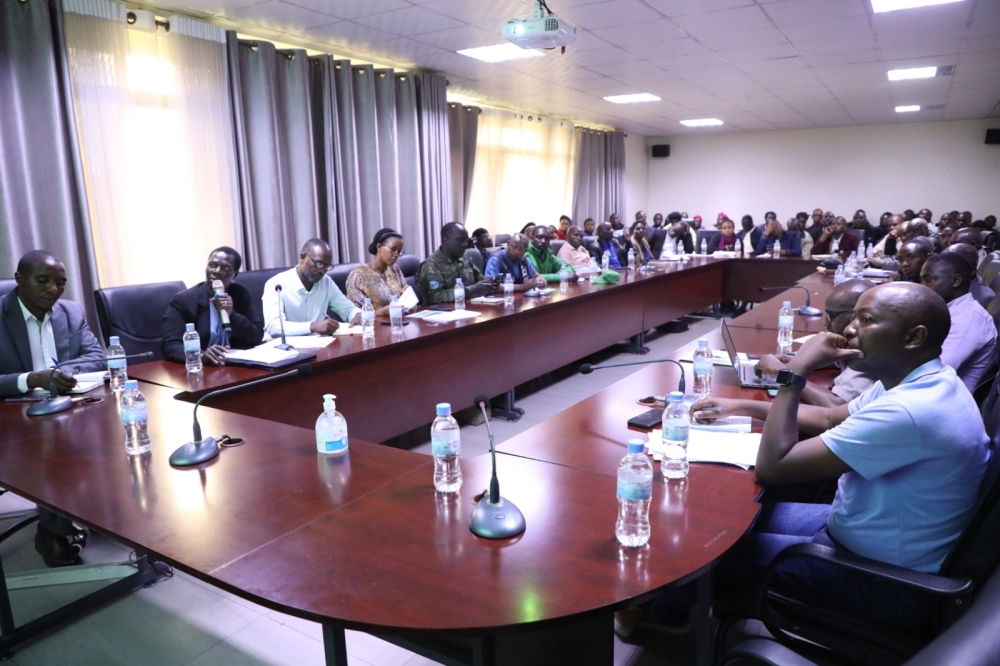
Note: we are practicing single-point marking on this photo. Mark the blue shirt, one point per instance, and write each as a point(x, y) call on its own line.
point(918, 454)
point(612, 253)
point(217, 334)
point(790, 243)
point(500, 264)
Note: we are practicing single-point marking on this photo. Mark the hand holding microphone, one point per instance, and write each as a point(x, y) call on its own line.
point(223, 303)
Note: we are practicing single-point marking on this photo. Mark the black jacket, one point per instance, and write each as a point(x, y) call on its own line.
point(191, 306)
point(715, 239)
point(619, 245)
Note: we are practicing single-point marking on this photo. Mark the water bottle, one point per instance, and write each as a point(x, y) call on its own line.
point(563, 280)
point(133, 404)
point(459, 294)
point(367, 320)
point(838, 277)
point(331, 428)
point(738, 248)
point(508, 290)
point(635, 490)
point(605, 260)
point(192, 349)
point(776, 250)
point(116, 365)
point(676, 424)
point(680, 247)
point(395, 316)
point(631, 259)
point(870, 252)
point(786, 321)
point(704, 364)
point(446, 444)
point(704, 246)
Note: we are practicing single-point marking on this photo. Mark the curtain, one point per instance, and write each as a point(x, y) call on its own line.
point(42, 197)
point(155, 133)
point(524, 171)
point(600, 174)
point(463, 125)
point(435, 159)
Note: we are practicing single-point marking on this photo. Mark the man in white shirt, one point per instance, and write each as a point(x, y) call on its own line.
point(972, 338)
point(307, 292)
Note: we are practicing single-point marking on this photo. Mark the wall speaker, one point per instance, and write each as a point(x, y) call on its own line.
point(992, 136)
point(663, 149)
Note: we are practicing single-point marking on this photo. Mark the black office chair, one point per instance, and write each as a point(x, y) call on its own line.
point(254, 281)
point(7, 285)
point(135, 315)
point(408, 263)
point(704, 235)
point(994, 284)
point(989, 269)
point(556, 245)
point(474, 255)
point(339, 275)
point(412, 281)
point(501, 239)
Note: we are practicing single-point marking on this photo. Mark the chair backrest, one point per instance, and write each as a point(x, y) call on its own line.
point(135, 315)
point(339, 275)
point(704, 235)
point(408, 263)
point(994, 307)
point(477, 258)
point(412, 281)
point(254, 281)
point(989, 269)
point(501, 239)
point(858, 234)
point(7, 285)
point(994, 283)
point(556, 245)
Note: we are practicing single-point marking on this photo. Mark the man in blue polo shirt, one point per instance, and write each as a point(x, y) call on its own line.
point(511, 260)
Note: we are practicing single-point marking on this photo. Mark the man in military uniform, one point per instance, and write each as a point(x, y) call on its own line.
point(437, 274)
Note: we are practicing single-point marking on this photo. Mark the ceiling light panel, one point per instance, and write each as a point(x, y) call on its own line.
point(701, 122)
point(914, 73)
point(879, 6)
point(908, 109)
point(632, 99)
point(500, 53)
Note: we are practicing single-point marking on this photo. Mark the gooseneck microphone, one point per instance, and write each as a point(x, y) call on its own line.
point(806, 309)
point(494, 517)
point(587, 368)
point(284, 346)
point(200, 449)
point(220, 289)
point(56, 403)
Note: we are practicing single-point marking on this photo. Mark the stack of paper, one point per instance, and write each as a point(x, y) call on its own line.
point(344, 330)
point(261, 354)
point(713, 446)
point(728, 424)
point(445, 317)
point(488, 300)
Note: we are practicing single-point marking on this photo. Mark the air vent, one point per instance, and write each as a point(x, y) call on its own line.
point(946, 71)
point(551, 24)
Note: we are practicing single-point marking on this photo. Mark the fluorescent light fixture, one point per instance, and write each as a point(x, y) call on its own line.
point(907, 109)
point(500, 53)
point(632, 99)
point(915, 73)
point(892, 5)
point(701, 122)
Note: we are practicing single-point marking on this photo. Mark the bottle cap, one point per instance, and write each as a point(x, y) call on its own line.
point(443, 409)
point(786, 304)
point(368, 301)
point(328, 401)
point(636, 446)
point(676, 396)
point(113, 340)
point(131, 384)
point(702, 342)
point(189, 327)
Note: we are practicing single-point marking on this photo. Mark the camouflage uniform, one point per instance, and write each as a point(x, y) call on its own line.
point(436, 277)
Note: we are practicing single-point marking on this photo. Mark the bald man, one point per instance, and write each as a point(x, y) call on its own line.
point(306, 294)
point(974, 238)
point(980, 292)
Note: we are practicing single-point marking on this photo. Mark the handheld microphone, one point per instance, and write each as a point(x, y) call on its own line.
point(806, 309)
point(56, 403)
point(494, 517)
point(220, 289)
point(281, 320)
point(587, 368)
point(199, 449)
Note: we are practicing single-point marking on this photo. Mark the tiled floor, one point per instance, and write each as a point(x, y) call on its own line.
point(185, 621)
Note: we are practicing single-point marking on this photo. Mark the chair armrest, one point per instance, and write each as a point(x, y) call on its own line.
point(763, 651)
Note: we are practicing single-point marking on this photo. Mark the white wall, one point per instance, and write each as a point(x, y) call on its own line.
point(636, 177)
point(941, 166)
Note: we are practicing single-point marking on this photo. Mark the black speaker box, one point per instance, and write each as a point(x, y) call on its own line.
point(663, 149)
point(992, 137)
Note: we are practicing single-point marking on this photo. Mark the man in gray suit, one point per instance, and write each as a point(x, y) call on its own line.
point(36, 329)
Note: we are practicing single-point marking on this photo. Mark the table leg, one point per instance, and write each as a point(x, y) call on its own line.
point(704, 645)
point(508, 412)
point(334, 645)
point(638, 344)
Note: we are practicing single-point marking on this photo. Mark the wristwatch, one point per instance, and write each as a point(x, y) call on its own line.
point(787, 378)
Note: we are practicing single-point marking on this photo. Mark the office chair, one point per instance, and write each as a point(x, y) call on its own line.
point(474, 255)
point(989, 269)
point(254, 281)
point(135, 315)
point(408, 263)
point(501, 239)
point(7, 285)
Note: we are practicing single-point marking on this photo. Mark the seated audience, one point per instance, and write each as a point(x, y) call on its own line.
point(915, 228)
point(788, 241)
point(972, 337)
point(200, 306)
point(643, 253)
point(589, 227)
point(980, 292)
point(573, 252)
point(544, 260)
point(617, 228)
point(926, 214)
point(888, 245)
point(973, 238)
point(658, 220)
point(510, 260)
point(835, 240)
point(564, 224)
point(678, 230)
point(381, 278)
point(750, 235)
point(36, 327)
point(307, 292)
point(947, 234)
point(815, 226)
point(912, 255)
point(606, 242)
point(805, 239)
point(482, 241)
point(527, 229)
point(436, 275)
point(724, 239)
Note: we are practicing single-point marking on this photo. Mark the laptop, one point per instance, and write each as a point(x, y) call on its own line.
point(744, 369)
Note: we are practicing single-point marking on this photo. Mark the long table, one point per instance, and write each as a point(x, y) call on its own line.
point(364, 542)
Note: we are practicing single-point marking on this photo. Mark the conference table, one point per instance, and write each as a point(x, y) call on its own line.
point(362, 541)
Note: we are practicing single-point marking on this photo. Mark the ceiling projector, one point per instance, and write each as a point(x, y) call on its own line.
point(544, 30)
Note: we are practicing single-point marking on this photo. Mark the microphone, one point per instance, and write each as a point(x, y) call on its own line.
point(284, 346)
point(220, 289)
point(56, 403)
point(806, 309)
point(199, 449)
point(494, 517)
point(587, 368)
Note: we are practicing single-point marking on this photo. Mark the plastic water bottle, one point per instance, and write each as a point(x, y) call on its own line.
point(446, 444)
point(738, 248)
point(508, 290)
point(563, 280)
point(676, 424)
point(786, 322)
point(870, 252)
point(838, 277)
point(192, 349)
point(367, 320)
point(631, 259)
point(116, 365)
point(635, 490)
point(605, 260)
point(704, 364)
point(331, 428)
point(395, 316)
point(776, 250)
point(704, 246)
point(459, 294)
point(680, 247)
point(134, 418)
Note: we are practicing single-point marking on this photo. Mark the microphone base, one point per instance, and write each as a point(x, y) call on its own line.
point(808, 311)
point(284, 347)
point(51, 406)
point(496, 521)
point(195, 453)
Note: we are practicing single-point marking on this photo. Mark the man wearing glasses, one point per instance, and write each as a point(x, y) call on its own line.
point(849, 384)
point(307, 292)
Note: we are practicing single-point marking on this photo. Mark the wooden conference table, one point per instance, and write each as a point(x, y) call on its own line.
point(363, 542)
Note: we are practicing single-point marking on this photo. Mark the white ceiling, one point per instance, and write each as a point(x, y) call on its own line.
point(755, 64)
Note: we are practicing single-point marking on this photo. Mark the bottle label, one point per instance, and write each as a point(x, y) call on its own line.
point(788, 321)
point(635, 490)
point(675, 433)
point(134, 413)
point(328, 442)
point(116, 363)
point(702, 364)
point(446, 442)
point(193, 345)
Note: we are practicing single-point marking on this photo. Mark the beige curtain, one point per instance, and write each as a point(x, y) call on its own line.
point(155, 127)
point(524, 171)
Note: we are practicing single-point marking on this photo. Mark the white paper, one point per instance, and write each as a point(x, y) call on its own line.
point(345, 330)
point(262, 354)
point(728, 424)
point(408, 299)
point(539, 292)
point(451, 316)
point(803, 339)
point(304, 341)
point(488, 300)
point(91, 377)
point(84, 387)
point(712, 446)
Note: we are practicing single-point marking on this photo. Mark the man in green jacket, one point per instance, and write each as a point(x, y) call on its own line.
point(543, 259)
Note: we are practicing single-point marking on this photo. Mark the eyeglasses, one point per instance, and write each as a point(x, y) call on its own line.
point(394, 250)
point(322, 265)
point(833, 314)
